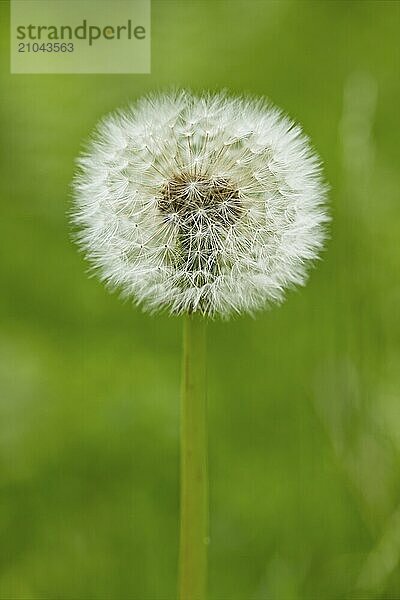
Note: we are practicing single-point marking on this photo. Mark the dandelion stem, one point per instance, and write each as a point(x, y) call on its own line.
point(194, 484)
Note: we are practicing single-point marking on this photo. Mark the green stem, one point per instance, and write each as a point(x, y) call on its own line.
point(194, 483)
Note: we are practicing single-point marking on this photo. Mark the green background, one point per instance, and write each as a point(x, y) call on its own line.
point(304, 407)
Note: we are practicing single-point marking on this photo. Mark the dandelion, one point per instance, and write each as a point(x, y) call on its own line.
point(200, 205)
point(205, 204)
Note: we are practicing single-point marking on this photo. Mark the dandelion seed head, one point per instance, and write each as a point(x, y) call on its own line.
point(207, 203)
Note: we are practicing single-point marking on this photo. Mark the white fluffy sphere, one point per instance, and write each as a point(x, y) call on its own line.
point(200, 203)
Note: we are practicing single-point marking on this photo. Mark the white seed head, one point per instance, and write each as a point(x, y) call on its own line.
point(200, 203)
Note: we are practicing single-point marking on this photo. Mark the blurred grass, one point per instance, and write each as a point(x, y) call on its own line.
point(304, 401)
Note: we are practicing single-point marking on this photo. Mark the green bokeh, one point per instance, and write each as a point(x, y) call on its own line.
point(304, 406)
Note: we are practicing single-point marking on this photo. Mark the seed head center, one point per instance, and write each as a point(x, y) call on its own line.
point(215, 200)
